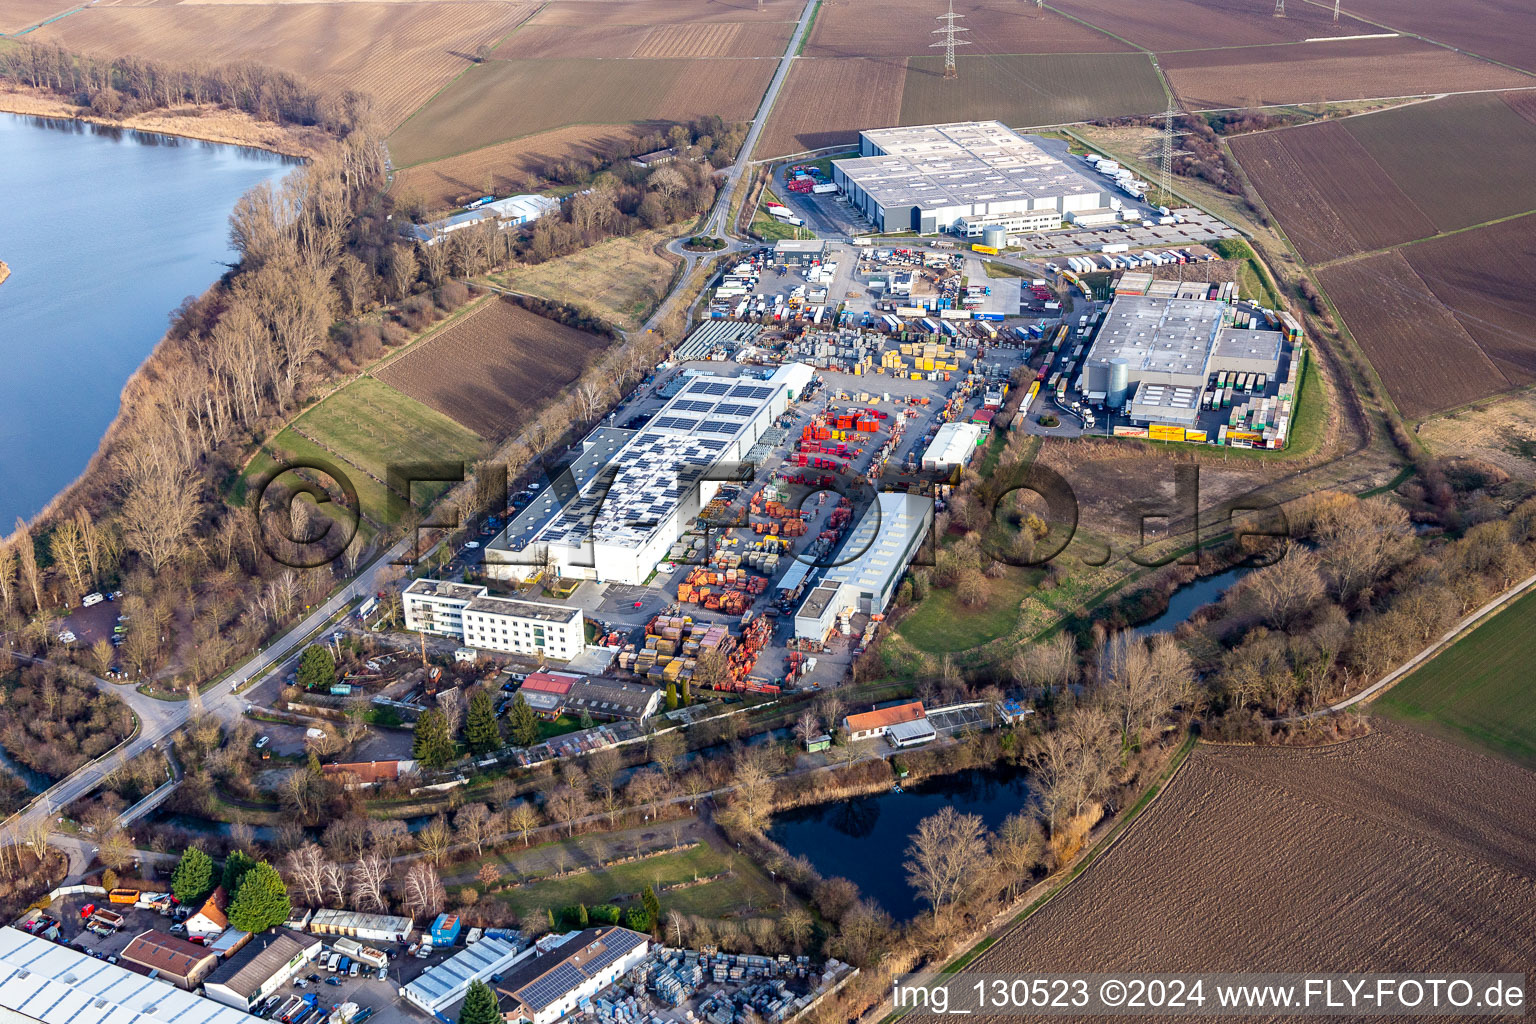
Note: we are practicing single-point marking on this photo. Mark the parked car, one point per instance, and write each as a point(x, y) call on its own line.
point(333, 981)
point(92, 599)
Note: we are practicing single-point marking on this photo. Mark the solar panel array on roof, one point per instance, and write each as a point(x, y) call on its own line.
point(731, 409)
point(756, 392)
point(615, 945)
point(675, 423)
point(710, 387)
point(560, 980)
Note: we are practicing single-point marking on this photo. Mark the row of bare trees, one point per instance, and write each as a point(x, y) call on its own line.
point(122, 86)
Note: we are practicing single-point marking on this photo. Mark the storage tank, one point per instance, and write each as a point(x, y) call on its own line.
point(996, 237)
point(1119, 383)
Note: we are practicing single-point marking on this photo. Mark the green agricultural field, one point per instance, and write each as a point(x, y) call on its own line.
point(1023, 90)
point(1479, 689)
point(622, 882)
point(366, 428)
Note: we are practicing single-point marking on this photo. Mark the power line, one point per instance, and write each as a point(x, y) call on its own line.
point(1279, 8)
point(949, 42)
point(1165, 166)
point(1336, 11)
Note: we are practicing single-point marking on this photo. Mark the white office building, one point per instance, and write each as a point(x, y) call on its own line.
point(568, 969)
point(620, 506)
point(443, 985)
point(510, 625)
point(933, 177)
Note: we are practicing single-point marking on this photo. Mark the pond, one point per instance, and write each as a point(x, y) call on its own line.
point(105, 232)
point(865, 839)
point(1191, 596)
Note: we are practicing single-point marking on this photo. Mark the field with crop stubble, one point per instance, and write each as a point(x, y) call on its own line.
point(1396, 852)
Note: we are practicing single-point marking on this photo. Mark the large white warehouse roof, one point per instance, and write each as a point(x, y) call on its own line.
point(54, 984)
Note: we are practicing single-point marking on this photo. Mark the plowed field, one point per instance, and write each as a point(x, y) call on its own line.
point(1189, 24)
point(16, 15)
point(1023, 91)
point(1364, 182)
point(611, 39)
point(1328, 193)
point(399, 52)
point(494, 369)
point(664, 12)
point(1427, 361)
point(1463, 159)
point(502, 100)
point(1485, 277)
point(499, 169)
point(1383, 854)
point(1492, 28)
point(904, 28)
point(828, 102)
point(1253, 76)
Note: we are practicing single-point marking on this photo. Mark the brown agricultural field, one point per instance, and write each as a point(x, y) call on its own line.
point(502, 100)
point(1498, 29)
point(1383, 854)
point(399, 52)
point(1024, 91)
point(1501, 433)
point(1256, 76)
point(1463, 159)
point(16, 15)
point(828, 102)
point(501, 169)
point(1328, 193)
point(904, 28)
point(493, 370)
point(1188, 24)
point(664, 12)
point(1427, 361)
point(612, 39)
point(1485, 277)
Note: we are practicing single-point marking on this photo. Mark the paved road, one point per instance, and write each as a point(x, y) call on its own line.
point(717, 221)
point(158, 719)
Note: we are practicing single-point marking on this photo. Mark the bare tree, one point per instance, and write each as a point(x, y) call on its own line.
point(474, 825)
point(369, 877)
point(1074, 762)
point(522, 819)
point(424, 894)
point(388, 837)
point(1017, 849)
point(336, 884)
point(26, 559)
point(434, 839)
point(305, 868)
point(1289, 588)
point(947, 857)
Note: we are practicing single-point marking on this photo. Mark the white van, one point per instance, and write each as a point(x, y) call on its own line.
point(332, 961)
point(91, 599)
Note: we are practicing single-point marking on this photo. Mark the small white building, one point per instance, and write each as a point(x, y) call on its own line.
point(443, 985)
point(209, 921)
point(1019, 222)
point(568, 969)
point(953, 445)
point(868, 725)
point(357, 925)
point(868, 566)
point(512, 625)
point(262, 966)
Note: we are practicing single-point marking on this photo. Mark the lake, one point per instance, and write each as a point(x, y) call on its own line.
point(865, 839)
point(106, 232)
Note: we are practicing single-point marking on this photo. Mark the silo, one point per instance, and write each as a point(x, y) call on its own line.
point(1119, 383)
point(996, 237)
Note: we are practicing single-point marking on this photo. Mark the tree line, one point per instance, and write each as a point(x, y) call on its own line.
point(117, 87)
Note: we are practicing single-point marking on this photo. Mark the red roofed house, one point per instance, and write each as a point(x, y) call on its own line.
point(369, 773)
point(210, 920)
point(545, 692)
point(874, 723)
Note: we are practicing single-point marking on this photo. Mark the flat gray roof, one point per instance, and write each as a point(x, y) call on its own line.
point(959, 164)
point(1244, 343)
point(524, 609)
point(816, 601)
point(445, 588)
point(1157, 335)
point(800, 245)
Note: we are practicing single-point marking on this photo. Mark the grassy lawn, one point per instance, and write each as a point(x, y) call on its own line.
point(369, 427)
point(614, 884)
point(620, 281)
point(559, 727)
point(1480, 688)
point(772, 229)
point(942, 625)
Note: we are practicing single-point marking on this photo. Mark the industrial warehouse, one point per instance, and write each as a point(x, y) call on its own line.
point(971, 175)
point(632, 498)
